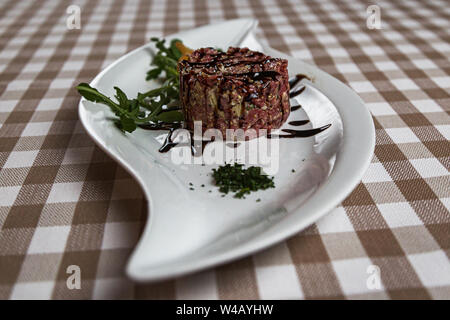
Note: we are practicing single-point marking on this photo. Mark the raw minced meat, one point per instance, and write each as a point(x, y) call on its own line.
point(236, 89)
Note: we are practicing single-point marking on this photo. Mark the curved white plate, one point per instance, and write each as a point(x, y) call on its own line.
point(191, 230)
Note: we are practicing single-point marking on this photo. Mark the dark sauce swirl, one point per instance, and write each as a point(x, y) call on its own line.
point(295, 93)
point(295, 80)
point(300, 133)
point(298, 123)
point(228, 61)
point(295, 108)
point(168, 142)
point(245, 76)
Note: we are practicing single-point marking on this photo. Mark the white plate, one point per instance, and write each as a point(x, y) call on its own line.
point(192, 230)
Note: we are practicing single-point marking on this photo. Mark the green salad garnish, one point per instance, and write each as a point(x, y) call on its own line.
point(154, 106)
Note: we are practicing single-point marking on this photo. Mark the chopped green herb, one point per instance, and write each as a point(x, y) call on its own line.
point(202, 185)
point(258, 200)
point(191, 188)
point(293, 170)
point(242, 181)
point(190, 183)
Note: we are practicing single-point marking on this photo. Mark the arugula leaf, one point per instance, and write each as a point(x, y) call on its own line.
point(154, 73)
point(126, 124)
point(122, 98)
point(165, 60)
point(93, 94)
point(147, 107)
point(170, 116)
point(121, 109)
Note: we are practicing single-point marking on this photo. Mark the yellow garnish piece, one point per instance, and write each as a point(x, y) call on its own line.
point(185, 51)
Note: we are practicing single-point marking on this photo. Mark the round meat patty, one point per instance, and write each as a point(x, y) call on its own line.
point(236, 89)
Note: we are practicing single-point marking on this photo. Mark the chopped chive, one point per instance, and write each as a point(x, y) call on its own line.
point(234, 178)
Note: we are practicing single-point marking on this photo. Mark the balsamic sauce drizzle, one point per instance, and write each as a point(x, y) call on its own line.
point(229, 61)
point(294, 80)
point(161, 126)
point(298, 133)
point(295, 108)
point(295, 93)
point(298, 123)
point(302, 133)
point(168, 143)
point(291, 133)
point(260, 75)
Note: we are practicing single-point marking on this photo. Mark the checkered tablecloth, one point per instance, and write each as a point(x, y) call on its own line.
point(64, 202)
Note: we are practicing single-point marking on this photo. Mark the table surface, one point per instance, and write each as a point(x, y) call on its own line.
point(64, 202)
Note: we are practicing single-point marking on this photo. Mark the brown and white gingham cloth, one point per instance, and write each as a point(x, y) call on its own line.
point(64, 202)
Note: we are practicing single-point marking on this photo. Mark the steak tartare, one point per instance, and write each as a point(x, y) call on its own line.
point(236, 89)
